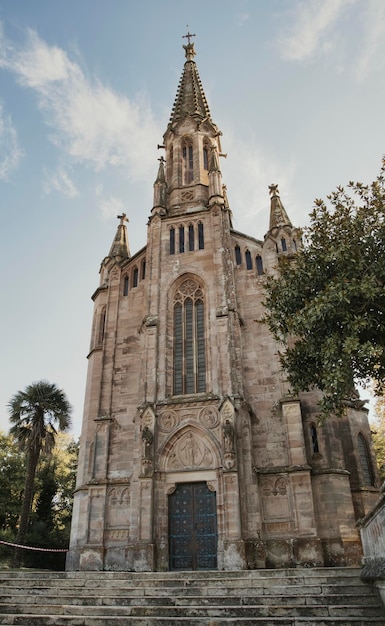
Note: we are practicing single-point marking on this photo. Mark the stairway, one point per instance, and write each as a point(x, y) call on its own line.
point(286, 597)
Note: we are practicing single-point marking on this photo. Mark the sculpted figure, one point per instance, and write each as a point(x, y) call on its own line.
point(147, 439)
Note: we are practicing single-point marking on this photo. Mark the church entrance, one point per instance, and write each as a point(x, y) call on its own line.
point(193, 527)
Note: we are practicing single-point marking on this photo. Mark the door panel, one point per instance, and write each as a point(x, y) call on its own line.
point(193, 527)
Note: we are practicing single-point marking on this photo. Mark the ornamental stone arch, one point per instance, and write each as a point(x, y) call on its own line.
point(191, 448)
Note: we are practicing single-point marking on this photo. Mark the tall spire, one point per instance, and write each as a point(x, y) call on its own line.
point(190, 98)
point(120, 247)
point(278, 215)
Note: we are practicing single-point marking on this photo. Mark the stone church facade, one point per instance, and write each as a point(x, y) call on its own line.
point(193, 453)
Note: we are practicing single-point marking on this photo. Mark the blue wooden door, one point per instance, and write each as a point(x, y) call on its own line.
point(193, 533)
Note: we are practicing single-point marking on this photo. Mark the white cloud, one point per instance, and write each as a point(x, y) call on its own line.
point(60, 181)
point(242, 18)
point(312, 29)
point(89, 122)
point(10, 152)
point(109, 207)
point(372, 46)
point(251, 171)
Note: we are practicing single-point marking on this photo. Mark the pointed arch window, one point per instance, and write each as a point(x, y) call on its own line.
point(135, 277)
point(314, 439)
point(283, 244)
point(365, 461)
point(238, 257)
point(205, 158)
point(143, 273)
point(201, 238)
point(188, 162)
point(191, 237)
point(249, 261)
point(172, 240)
point(259, 264)
point(125, 285)
point(189, 339)
point(181, 238)
point(102, 325)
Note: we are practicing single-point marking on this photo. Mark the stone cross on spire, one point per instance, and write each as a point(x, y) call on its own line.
point(123, 218)
point(188, 36)
point(190, 52)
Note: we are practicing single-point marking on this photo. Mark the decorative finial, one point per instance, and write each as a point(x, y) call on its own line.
point(123, 218)
point(188, 36)
point(190, 52)
point(273, 189)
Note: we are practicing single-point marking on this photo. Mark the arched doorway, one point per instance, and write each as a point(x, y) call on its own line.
point(193, 535)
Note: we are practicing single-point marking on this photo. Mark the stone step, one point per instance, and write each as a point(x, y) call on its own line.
point(286, 597)
point(185, 612)
point(34, 599)
point(60, 620)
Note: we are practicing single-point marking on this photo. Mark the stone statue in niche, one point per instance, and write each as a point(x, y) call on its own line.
point(147, 450)
point(228, 444)
point(147, 439)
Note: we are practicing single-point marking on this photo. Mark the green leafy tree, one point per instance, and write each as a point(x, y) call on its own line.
point(37, 415)
point(327, 305)
point(378, 435)
point(12, 475)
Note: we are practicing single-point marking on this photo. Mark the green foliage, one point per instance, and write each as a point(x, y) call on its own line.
point(50, 517)
point(12, 476)
point(327, 306)
point(37, 415)
point(378, 435)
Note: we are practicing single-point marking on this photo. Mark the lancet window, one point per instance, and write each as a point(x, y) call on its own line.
point(191, 237)
point(249, 261)
point(172, 240)
point(125, 285)
point(259, 264)
point(189, 339)
point(201, 239)
point(188, 162)
point(314, 439)
point(135, 277)
point(181, 238)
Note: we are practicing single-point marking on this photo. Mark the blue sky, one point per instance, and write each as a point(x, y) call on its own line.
point(86, 89)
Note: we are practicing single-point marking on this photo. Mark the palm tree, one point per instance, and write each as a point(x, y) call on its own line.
point(37, 415)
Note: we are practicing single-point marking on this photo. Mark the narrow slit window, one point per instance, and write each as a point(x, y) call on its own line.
point(143, 269)
point(191, 237)
point(125, 285)
point(201, 238)
point(249, 261)
point(135, 277)
point(172, 240)
point(314, 439)
point(283, 244)
point(102, 326)
point(181, 238)
point(238, 258)
point(205, 158)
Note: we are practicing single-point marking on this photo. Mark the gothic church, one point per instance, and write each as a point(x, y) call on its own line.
point(193, 454)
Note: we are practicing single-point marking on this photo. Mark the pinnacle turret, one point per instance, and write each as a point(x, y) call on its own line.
point(278, 215)
point(190, 98)
point(120, 247)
